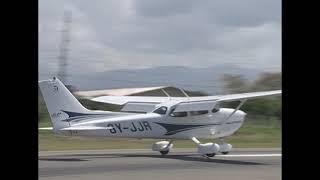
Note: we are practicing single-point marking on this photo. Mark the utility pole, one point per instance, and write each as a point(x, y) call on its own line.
point(64, 46)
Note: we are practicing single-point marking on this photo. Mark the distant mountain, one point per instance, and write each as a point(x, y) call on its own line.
point(198, 79)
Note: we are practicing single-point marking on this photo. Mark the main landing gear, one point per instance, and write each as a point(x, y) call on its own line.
point(164, 152)
point(207, 150)
point(224, 147)
point(211, 155)
point(211, 149)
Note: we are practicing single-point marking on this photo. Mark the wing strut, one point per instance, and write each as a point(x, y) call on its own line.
point(238, 107)
point(170, 142)
point(184, 92)
point(195, 140)
point(165, 92)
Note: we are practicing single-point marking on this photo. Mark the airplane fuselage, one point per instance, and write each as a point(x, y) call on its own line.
point(153, 125)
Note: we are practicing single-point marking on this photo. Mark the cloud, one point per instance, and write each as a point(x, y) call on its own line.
point(163, 8)
point(242, 13)
point(107, 35)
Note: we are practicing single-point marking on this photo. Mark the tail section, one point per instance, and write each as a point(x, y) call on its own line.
point(60, 102)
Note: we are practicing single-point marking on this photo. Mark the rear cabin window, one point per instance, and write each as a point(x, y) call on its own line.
point(178, 114)
point(161, 110)
point(196, 113)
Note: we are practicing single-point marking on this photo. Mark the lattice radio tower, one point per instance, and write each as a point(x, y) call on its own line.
point(64, 46)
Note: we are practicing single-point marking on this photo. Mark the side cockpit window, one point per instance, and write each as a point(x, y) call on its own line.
point(161, 110)
point(214, 110)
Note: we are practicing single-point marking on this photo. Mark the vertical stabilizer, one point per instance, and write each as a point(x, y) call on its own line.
point(59, 100)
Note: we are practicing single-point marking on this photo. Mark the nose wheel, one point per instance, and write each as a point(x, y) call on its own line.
point(162, 146)
point(224, 148)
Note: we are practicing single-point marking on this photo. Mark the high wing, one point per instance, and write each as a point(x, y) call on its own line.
point(148, 103)
point(233, 97)
point(209, 102)
point(122, 100)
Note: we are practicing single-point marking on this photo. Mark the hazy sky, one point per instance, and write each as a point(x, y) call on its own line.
point(117, 34)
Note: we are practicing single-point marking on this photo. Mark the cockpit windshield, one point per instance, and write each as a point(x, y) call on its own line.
point(161, 110)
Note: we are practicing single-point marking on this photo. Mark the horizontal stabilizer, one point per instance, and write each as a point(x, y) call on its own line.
point(116, 92)
point(195, 106)
point(121, 100)
point(46, 128)
point(84, 128)
point(138, 107)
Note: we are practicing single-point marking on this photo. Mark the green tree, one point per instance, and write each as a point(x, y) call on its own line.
point(267, 81)
point(235, 83)
point(268, 106)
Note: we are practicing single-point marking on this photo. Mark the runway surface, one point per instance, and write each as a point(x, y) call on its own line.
point(181, 164)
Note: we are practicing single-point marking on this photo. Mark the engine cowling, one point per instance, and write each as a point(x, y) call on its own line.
point(208, 148)
point(225, 147)
point(161, 146)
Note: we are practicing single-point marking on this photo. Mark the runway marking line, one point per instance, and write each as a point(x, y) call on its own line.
point(251, 155)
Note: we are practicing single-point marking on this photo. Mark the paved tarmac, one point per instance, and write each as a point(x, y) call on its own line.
point(138, 164)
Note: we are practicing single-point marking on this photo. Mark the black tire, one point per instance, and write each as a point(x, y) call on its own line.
point(211, 155)
point(225, 153)
point(164, 152)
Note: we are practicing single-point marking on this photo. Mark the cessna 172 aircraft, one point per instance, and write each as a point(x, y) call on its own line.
point(166, 118)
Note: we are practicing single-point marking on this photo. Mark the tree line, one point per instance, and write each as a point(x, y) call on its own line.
point(269, 106)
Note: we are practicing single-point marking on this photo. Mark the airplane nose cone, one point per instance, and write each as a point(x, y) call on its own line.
point(240, 115)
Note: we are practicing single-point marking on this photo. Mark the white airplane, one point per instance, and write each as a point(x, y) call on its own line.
point(166, 118)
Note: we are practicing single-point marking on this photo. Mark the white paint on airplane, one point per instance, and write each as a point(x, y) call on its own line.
point(166, 118)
